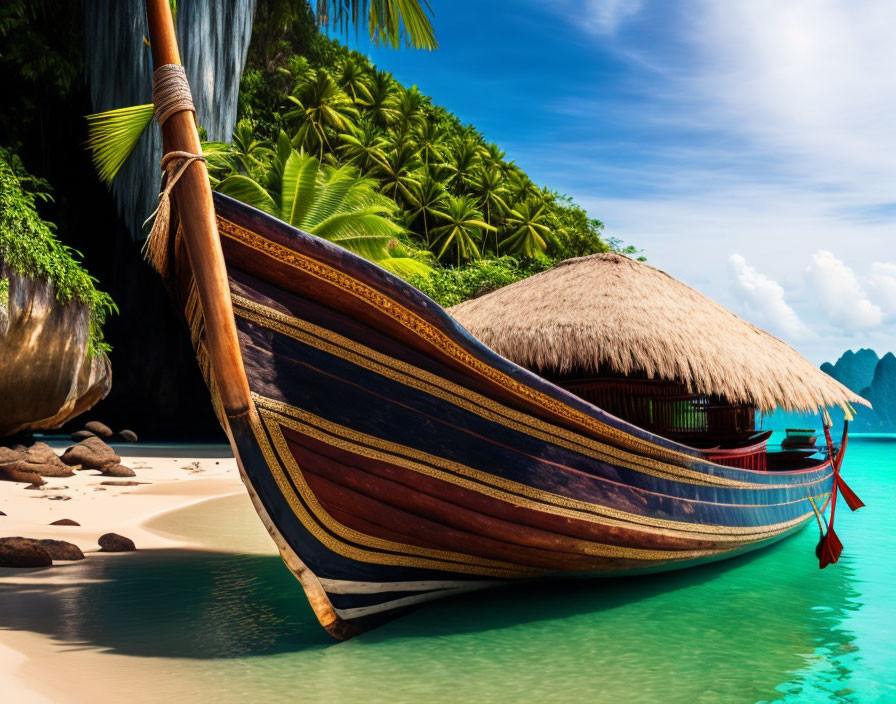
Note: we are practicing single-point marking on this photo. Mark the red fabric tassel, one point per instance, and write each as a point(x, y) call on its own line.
point(828, 549)
point(849, 496)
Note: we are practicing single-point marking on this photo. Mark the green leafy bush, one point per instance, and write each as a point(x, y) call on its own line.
point(28, 246)
point(452, 285)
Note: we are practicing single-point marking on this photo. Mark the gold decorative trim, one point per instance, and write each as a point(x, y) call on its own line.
point(590, 548)
point(469, 563)
point(499, 488)
point(414, 377)
point(346, 541)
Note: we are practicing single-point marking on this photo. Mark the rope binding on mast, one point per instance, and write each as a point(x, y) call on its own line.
point(171, 94)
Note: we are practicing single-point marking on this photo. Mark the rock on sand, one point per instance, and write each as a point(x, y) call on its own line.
point(99, 429)
point(113, 542)
point(23, 552)
point(62, 550)
point(91, 453)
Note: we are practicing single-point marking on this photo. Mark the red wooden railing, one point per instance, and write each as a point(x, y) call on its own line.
point(726, 431)
point(663, 407)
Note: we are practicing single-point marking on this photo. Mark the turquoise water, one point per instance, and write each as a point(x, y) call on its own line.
point(767, 627)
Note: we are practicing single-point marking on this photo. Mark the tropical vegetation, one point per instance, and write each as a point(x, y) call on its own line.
point(335, 146)
point(333, 202)
point(28, 246)
point(458, 204)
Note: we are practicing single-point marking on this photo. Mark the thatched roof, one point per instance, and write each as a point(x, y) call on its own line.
point(607, 312)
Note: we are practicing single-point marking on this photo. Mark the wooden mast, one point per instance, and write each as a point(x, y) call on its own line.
point(193, 196)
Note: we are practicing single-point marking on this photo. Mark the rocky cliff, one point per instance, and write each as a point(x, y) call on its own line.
point(47, 374)
point(855, 370)
point(882, 392)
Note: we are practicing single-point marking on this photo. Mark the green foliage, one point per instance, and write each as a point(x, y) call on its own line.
point(462, 233)
point(617, 245)
point(333, 202)
point(389, 21)
point(450, 286)
point(527, 230)
point(28, 246)
point(38, 44)
point(457, 194)
point(457, 198)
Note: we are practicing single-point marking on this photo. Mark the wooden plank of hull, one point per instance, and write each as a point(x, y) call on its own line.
point(390, 475)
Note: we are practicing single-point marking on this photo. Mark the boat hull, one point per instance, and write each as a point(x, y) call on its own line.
point(395, 460)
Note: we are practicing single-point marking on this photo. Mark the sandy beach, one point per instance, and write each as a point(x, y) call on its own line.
point(100, 505)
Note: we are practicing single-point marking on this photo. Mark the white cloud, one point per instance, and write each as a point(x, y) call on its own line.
point(882, 286)
point(839, 293)
point(753, 126)
point(606, 16)
point(810, 80)
point(763, 301)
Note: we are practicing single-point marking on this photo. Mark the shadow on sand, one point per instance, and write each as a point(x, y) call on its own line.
point(196, 604)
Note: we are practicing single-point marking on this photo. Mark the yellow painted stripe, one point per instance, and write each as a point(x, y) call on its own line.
point(514, 493)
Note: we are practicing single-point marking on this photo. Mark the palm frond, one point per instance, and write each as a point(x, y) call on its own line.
point(248, 191)
point(389, 21)
point(331, 194)
point(299, 186)
point(112, 136)
point(405, 267)
point(366, 234)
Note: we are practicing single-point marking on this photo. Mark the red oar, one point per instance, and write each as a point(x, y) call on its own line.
point(829, 547)
point(852, 500)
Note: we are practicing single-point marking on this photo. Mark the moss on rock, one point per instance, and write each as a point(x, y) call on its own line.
point(29, 247)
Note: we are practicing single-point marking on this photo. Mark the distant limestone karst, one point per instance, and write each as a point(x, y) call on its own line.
point(869, 375)
point(855, 370)
point(882, 392)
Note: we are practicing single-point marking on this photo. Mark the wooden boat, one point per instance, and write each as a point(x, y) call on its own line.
point(394, 459)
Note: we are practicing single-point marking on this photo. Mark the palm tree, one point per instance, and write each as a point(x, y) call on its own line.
point(409, 110)
point(430, 138)
point(335, 203)
point(441, 172)
point(519, 186)
point(352, 74)
point(488, 186)
point(114, 133)
point(492, 153)
point(463, 229)
point(383, 98)
point(245, 154)
point(397, 171)
point(363, 147)
point(297, 70)
point(321, 105)
point(529, 234)
point(279, 23)
point(463, 160)
point(425, 199)
point(389, 21)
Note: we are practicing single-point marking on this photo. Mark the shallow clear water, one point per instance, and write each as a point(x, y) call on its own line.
point(767, 627)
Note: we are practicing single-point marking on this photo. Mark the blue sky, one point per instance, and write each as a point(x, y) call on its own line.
point(746, 145)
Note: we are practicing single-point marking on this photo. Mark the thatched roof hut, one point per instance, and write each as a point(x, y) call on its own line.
point(608, 314)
